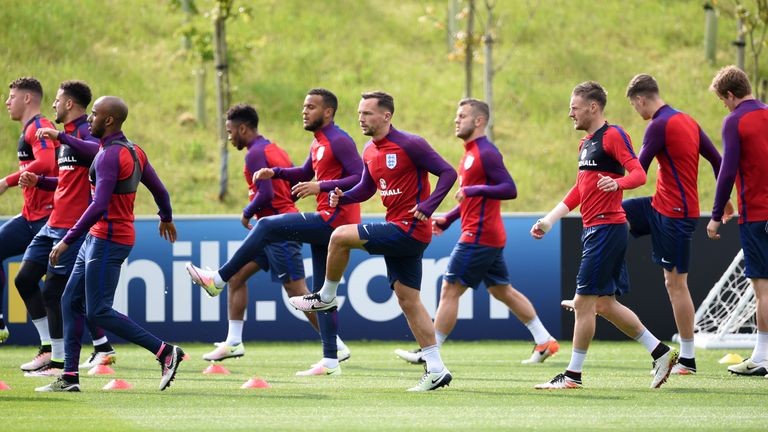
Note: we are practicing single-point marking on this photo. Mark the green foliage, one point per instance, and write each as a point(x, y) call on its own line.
point(491, 391)
point(350, 46)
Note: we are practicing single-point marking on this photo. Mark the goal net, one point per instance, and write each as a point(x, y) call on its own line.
point(726, 318)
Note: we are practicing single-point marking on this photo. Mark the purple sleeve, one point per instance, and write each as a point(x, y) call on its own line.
point(709, 152)
point(47, 183)
point(450, 218)
point(254, 161)
point(501, 186)
point(85, 148)
point(296, 174)
point(425, 157)
point(729, 166)
point(107, 169)
point(653, 141)
point(361, 191)
point(345, 152)
point(152, 181)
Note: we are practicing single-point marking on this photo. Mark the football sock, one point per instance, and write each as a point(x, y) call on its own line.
point(235, 332)
point(577, 360)
point(687, 349)
point(760, 352)
point(329, 329)
point(71, 377)
point(440, 337)
point(340, 345)
point(538, 331)
point(2, 321)
point(432, 357)
point(328, 291)
point(648, 340)
point(104, 346)
point(41, 324)
point(57, 350)
point(329, 363)
point(573, 375)
point(100, 341)
point(660, 350)
point(218, 281)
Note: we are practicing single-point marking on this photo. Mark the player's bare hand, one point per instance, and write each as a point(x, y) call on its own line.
point(540, 228)
point(728, 212)
point(305, 189)
point(246, 222)
point(712, 228)
point(27, 179)
point(263, 174)
point(607, 184)
point(167, 231)
point(417, 213)
point(3, 186)
point(437, 222)
point(333, 197)
point(57, 252)
point(460, 195)
point(49, 133)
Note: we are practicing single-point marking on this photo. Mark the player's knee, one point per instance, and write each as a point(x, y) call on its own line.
point(97, 314)
point(342, 235)
point(451, 292)
point(26, 281)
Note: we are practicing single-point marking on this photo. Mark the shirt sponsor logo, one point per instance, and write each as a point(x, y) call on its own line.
point(468, 161)
point(22, 154)
point(391, 160)
point(390, 192)
point(382, 184)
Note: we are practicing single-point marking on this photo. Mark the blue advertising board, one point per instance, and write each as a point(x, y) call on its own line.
point(156, 292)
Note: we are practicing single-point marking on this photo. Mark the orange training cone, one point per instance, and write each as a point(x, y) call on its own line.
point(101, 370)
point(216, 369)
point(4, 386)
point(255, 383)
point(118, 384)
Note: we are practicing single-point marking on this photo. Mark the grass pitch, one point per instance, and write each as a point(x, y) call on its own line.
point(491, 391)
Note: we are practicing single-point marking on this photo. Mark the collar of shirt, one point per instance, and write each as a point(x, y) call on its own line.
point(75, 124)
point(661, 111)
point(386, 137)
point(324, 130)
point(105, 141)
point(259, 140)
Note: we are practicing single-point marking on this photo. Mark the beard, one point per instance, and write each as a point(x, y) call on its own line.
point(314, 126)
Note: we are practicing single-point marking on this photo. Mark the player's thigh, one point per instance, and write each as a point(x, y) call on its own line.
point(347, 236)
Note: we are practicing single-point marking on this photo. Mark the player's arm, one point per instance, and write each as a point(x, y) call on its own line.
point(293, 174)
point(28, 179)
point(727, 174)
point(571, 200)
point(442, 223)
point(618, 146)
point(87, 148)
point(345, 152)
point(359, 193)
point(654, 141)
point(254, 161)
point(709, 152)
point(162, 198)
point(45, 159)
point(425, 157)
point(501, 186)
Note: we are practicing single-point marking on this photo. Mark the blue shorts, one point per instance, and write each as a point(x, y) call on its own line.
point(283, 260)
point(602, 271)
point(671, 237)
point(754, 242)
point(471, 264)
point(402, 253)
point(42, 244)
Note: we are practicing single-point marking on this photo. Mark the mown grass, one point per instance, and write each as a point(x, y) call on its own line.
point(131, 49)
point(490, 391)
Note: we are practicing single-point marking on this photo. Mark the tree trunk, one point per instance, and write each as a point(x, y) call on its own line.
point(488, 68)
point(222, 89)
point(470, 50)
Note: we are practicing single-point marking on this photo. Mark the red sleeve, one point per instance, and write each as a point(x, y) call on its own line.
point(635, 178)
point(572, 198)
point(45, 156)
point(618, 144)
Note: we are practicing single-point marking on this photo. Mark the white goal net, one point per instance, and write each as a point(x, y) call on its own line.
point(726, 318)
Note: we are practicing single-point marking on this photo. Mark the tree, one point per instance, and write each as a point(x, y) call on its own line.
point(752, 22)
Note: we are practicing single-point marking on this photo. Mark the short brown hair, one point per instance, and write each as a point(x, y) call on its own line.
point(27, 83)
point(479, 107)
point(384, 100)
point(642, 85)
point(593, 91)
point(731, 79)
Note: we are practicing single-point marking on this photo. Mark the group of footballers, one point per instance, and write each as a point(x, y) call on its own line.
point(82, 269)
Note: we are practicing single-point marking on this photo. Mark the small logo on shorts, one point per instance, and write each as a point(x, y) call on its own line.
point(391, 160)
point(666, 261)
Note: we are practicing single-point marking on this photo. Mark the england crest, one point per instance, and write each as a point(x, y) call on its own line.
point(320, 152)
point(391, 160)
point(468, 161)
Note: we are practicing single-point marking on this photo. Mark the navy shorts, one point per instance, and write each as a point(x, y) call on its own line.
point(671, 237)
point(283, 260)
point(754, 242)
point(402, 253)
point(602, 271)
point(40, 248)
point(471, 264)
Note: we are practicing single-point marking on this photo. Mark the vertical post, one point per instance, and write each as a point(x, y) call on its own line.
point(488, 68)
point(710, 33)
point(222, 88)
point(200, 95)
point(451, 27)
point(739, 43)
point(469, 51)
point(186, 7)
